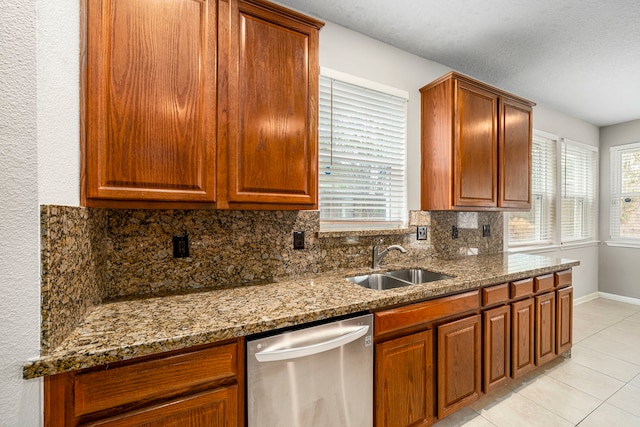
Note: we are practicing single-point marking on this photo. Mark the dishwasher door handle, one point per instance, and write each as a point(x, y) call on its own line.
point(309, 350)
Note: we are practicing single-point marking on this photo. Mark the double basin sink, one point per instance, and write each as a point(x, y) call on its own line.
point(397, 278)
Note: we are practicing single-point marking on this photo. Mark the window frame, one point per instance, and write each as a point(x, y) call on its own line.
point(615, 185)
point(561, 195)
point(558, 242)
point(555, 140)
point(359, 224)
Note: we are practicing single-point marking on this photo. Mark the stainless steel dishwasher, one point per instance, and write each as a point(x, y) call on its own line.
point(320, 376)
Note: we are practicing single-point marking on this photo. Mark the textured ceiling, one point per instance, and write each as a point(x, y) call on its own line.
point(581, 57)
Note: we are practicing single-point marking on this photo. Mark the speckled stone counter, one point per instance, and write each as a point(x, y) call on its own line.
point(126, 329)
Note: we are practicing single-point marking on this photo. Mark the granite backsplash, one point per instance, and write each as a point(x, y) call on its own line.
point(95, 255)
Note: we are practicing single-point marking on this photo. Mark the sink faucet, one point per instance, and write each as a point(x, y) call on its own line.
point(376, 259)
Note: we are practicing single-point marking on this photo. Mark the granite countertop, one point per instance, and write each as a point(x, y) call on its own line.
point(126, 329)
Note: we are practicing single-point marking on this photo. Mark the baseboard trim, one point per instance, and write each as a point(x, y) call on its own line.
point(620, 298)
point(585, 298)
point(614, 297)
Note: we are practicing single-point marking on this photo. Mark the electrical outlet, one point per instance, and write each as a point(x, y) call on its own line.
point(181, 246)
point(486, 230)
point(454, 232)
point(421, 233)
point(298, 240)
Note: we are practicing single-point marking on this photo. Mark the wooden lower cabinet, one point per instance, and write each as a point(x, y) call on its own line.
point(429, 366)
point(564, 320)
point(497, 347)
point(404, 381)
point(216, 408)
point(459, 364)
point(545, 328)
point(198, 386)
point(522, 342)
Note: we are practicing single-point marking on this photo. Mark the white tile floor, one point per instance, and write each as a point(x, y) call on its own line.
point(599, 385)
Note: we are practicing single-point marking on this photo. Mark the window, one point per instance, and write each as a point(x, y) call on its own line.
point(625, 193)
point(579, 179)
point(536, 227)
point(362, 154)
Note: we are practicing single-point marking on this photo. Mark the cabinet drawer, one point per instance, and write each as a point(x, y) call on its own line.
point(521, 288)
point(495, 294)
point(416, 314)
point(563, 278)
point(150, 379)
point(219, 405)
point(543, 283)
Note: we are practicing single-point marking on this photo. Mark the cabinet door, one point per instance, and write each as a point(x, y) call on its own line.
point(271, 140)
point(564, 320)
point(522, 343)
point(475, 147)
point(497, 347)
point(404, 381)
point(459, 370)
point(545, 328)
point(149, 100)
point(216, 408)
point(515, 155)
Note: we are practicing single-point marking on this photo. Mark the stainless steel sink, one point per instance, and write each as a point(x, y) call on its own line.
point(378, 281)
point(416, 275)
point(397, 278)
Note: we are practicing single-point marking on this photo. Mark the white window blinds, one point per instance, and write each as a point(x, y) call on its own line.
point(579, 183)
point(362, 156)
point(625, 192)
point(536, 227)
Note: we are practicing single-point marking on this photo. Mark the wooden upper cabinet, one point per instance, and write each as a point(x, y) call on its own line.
point(193, 103)
point(515, 154)
point(270, 85)
point(149, 101)
point(476, 147)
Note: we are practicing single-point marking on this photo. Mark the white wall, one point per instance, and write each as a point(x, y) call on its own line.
point(585, 276)
point(58, 102)
point(19, 217)
point(619, 267)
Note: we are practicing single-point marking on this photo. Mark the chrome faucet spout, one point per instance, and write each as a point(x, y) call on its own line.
point(376, 259)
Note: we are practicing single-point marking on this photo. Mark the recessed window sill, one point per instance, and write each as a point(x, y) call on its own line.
point(623, 244)
point(365, 233)
point(550, 248)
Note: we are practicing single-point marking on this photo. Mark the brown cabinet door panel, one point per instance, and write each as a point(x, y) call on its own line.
point(497, 347)
point(149, 90)
point(545, 328)
point(459, 366)
point(564, 320)
point(404, 381)
point(515, 155)
point(522, 342)
point(273, 82)
point(475, 148)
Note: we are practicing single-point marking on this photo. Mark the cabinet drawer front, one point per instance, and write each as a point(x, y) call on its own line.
point(150, 379)
point(495, 294)
point(521, 288)
point(563, 278)
point(543, 283)
point(421, 313)
point(211, 408)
